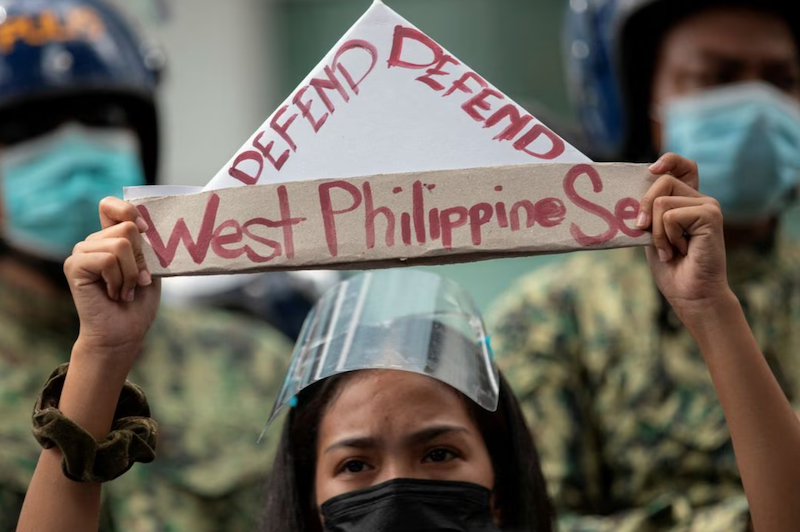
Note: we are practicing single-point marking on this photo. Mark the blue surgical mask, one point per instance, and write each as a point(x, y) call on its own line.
point(50, 187)
point(746, 141)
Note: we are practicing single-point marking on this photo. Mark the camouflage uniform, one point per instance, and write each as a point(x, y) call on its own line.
point(630, 430)
point(210, 379)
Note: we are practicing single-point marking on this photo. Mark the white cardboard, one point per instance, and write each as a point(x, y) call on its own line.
point(393, 122)
point(388, 109)
point(390, 220)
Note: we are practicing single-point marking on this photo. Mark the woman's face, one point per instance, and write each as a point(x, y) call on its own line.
point(387, 424)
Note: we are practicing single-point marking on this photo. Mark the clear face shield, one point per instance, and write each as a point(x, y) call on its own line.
point(406, 320)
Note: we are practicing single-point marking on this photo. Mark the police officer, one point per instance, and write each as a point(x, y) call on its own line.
point(633, 438)
point(78, 121)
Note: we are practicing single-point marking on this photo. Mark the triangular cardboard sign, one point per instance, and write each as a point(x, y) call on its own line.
point(393, 152)
point(388, 99)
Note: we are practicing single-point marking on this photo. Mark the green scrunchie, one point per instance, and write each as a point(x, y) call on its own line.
point(132, 438)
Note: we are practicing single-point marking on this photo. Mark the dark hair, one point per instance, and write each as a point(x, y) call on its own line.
point(520, 491)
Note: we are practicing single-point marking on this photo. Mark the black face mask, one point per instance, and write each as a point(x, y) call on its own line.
point(411, 505)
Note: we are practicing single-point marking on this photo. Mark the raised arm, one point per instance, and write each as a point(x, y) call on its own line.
point(688, 263)
point(117, 302)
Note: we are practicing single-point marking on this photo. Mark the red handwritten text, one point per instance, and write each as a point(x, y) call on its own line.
point(350, 217)
point(339, 198)
point(249, 165)
point(226, 238)
point(484, 103)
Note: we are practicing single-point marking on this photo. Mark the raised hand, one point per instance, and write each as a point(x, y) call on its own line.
point(117, 301)
point(688, 254)
point(116, 298)
point(688, 263)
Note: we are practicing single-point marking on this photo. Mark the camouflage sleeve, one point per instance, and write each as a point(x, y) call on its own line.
point(211, 378)
point(539, 338)
point(150, 504)
point(670, 513)
point(535, 334)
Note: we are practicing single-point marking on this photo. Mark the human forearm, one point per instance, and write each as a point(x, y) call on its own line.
point(89, 398)
point(117, 301)
point(92, 389)
point(54, 503)
point(764, 429)
point(690, 270)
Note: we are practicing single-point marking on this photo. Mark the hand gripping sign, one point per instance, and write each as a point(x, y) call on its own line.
point(392, 152)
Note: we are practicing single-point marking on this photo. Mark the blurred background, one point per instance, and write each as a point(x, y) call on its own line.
point(231, 63)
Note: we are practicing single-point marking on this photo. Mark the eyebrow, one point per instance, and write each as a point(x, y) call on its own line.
point(423, 436)
point(737, 62)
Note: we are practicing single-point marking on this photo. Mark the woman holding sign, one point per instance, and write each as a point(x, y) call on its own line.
point(437, 446)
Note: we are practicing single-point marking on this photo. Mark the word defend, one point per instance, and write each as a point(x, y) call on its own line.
point(393, 152)
point(390, 220)
point(436, 74)
point(337, 75)
point(369, 67)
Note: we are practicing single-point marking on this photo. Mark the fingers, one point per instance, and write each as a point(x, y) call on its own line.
point(665, 185)
point(113, 255)
point(111, 259)
point(672, 206)
point(87, 268)
point(676, 220)
point(121, 219)
point(130, 232)
point(665, 234)
point(681, 168)
point(692, 221)
point(114, 210)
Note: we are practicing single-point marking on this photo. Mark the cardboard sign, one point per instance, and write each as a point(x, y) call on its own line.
point(454, 172)
point(398, 219)
point(388, 99)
